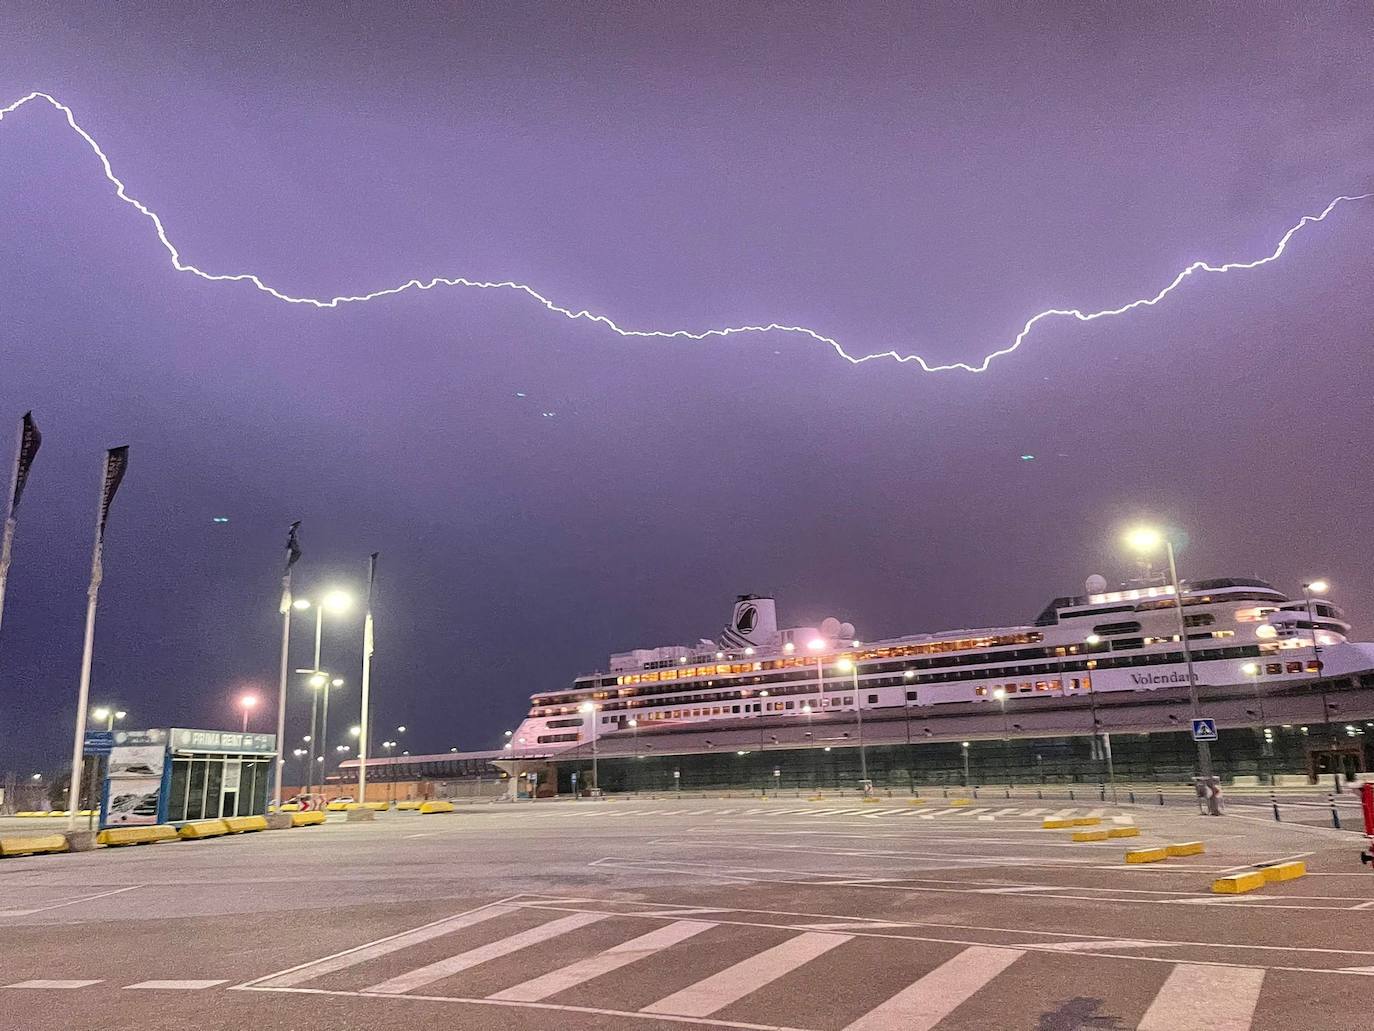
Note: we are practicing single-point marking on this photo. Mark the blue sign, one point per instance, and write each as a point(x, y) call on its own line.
point(1204, 730)
point(98, 742)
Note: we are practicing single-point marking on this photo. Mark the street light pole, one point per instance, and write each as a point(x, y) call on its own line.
point(592, 710)
point(1204, 751)
point(1321, 586)
point(859, 714)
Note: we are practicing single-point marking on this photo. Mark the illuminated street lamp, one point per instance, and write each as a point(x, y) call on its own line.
point(247, 703)
point(818, 646)
point(964, 745)
point(336, 602)
point(108, 714)
point(852, 668)
point(1146, 540)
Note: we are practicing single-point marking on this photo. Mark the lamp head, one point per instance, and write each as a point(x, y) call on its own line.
point(1144, 539)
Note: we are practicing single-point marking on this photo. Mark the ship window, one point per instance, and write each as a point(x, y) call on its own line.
point(977, 691)
point(734, 708)
point(1295, 667)
point(911, 696)
point(848, 699)
point(1106, 629)
point(872, 699)
point(1273, 667)
point(791, 705)
point(1199, 619)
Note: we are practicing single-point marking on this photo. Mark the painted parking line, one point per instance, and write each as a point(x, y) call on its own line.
point(383, 947)
point(54, 985)
point(431, 972)
point(928, 1000)
point(175, 986)
point(603, 962)
point(734, 983)
point(1197, 997)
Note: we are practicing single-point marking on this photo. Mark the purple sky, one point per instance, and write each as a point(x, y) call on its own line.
point(922, 178)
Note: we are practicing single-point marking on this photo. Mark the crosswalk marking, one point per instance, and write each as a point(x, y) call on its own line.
point(437, 971)
point(386, 946)
point(625, 953)
point(184, 986)
point(734, 983)
point(928, 1000)
point(1196, 997)
point(938, 812)
point(52, 984)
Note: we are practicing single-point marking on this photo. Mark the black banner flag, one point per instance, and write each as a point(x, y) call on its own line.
point(116, 463)
point(30, 440)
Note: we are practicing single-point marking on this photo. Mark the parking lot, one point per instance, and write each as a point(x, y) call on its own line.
point(825, 916)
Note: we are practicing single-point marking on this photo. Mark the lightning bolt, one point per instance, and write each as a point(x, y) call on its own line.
point(665, 334)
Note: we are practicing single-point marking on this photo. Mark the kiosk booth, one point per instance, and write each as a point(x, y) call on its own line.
point(178, 774)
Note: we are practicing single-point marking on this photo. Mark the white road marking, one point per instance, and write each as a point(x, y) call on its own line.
point(69, 902)
point(182, 986)
point(431, 972)
point(59, 985)
point(1196, 997)
point(734, 983)
point(382, 947)
point(1018, 889)
point(938, 812)
point(614, 958)
point(927, 1001)
point(1089, 946)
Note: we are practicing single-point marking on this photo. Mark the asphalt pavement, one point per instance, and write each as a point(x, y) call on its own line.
point(732, 913)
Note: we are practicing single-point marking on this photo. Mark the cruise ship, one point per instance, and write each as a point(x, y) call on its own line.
point(1239, 630)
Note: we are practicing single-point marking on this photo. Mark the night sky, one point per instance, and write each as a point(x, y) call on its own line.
point(923, 177)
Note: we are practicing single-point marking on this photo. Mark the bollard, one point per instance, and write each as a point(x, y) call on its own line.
point(1040, 794)
point(1132, 794)
point(1161, 798)
point(946, 792)
point(1008, 793)
point(1335, 816)
point(1071, 798)
point(1102, 792)
point(975, 792)
point(1274, 804)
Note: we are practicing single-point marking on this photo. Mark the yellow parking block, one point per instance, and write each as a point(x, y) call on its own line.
point(1241, 882)
point(917, 801)
point(1086, 821)
point(870, 799)
point(410, 805)
point(1090, 835)
point(30, 814)
point(243, 824)
point(149, 835)
point(958, 801)
point(337, 807)
point(32, 846)
point(1186, 848)
point(290, 807)
point(435, 805)
point(1054, 825)
point(1146, 855)
point(309, 819)
point(59, 812)
point(202, 829)
point(377, 807)
point(1283, 871)
point(1123, 832)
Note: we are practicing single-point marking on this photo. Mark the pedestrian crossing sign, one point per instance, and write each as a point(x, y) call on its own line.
point(1204, 730)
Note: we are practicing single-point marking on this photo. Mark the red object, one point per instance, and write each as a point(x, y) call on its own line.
point(1367, 804)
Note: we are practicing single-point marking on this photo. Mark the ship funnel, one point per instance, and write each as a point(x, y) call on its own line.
point(753, 624)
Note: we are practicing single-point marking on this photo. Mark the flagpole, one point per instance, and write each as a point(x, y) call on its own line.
point(8, 543)
point(281, 683)
point(107, 489)
point(367, 680)
point(293, 552)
